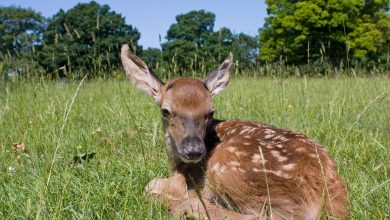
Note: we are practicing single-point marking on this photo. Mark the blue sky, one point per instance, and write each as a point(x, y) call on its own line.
point(153, 18)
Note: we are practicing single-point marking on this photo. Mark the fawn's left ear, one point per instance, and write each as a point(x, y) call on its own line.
point(218, 80)
point(139, 73)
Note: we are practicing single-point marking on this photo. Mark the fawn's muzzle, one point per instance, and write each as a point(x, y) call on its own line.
point(192, 149)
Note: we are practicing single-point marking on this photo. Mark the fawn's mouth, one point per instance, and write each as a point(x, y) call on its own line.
point(192, 159)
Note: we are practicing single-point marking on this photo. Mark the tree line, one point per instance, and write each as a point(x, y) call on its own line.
point(87, 38)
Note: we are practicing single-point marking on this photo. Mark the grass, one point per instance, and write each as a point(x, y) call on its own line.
point(351, 116)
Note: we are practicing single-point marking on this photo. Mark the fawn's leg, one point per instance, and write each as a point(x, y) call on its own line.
point(189, 203)
point(199, 206)
point(169, 189)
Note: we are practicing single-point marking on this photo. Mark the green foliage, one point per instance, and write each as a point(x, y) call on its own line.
point(153, 57)
point(88, 37)
point(21, 33)
point(20, 30)
point(122, 126)
point(193, 45)
point(301, 31)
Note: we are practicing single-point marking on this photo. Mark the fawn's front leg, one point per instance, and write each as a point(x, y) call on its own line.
point(199, 206)
point(189, 203)
point(169, 189)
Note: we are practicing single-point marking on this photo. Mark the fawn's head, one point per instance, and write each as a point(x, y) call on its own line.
point(186, 104)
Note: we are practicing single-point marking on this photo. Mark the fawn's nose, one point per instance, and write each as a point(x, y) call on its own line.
point(195, 152)
point(193, 148)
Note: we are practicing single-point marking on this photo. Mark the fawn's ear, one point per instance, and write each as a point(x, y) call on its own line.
point(139, 73)
point(217, 80)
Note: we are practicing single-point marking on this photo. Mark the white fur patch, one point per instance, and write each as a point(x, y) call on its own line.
point(288, 166)
point(280, 138)
point(278, 173)
point(240, 153)
point(235, 163)
point(231, 149)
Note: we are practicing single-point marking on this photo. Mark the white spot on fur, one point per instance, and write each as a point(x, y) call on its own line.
point(269, 146)
point(275, 153)
point(256, 158)
point(235, 163)
point(268, 136)
point(269, 131)
point(279, 146)
point(311, 212)
point(280, 138)
point(252, 130)
point(288, 166)
point(282, 158)
point(300, 149)
point(247, 143)
point(232, 131)
point(261, 142)
point(256, 170)
point(240, 153)
point(241, 170)
point(244, 130)
point(216, 167)
point(278, 173)
point(231, 149)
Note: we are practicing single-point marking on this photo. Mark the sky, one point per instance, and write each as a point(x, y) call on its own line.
point(153, 18)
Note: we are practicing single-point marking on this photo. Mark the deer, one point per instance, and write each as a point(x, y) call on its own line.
point(234, 169)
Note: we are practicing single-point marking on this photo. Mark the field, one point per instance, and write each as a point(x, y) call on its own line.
point(121, 128)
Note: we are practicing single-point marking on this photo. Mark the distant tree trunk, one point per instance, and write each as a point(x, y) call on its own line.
point(336, 60)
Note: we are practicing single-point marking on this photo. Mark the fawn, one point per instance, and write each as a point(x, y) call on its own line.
point(234, 169)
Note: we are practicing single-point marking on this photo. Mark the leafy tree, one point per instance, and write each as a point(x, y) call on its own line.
point(88, 36)
point(193, 45)
point(152, 57)
point(186, 39)
point(245, 50)
point(20, 29)
point(301, 31)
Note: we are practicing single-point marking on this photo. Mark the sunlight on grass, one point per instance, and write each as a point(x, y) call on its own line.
point(121, 126)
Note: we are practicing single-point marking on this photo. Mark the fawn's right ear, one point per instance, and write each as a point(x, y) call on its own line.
point(139, 73)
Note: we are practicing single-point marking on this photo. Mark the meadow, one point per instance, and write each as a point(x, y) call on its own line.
point(119, 132)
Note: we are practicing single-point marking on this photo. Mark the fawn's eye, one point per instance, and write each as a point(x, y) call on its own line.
point(165, 113)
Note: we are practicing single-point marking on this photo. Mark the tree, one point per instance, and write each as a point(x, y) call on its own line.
point(245, 50)
point(186, 40)
point(302, 31)
point(152, 57)
point(88, 36)
point(20, 29)
point(193, 45)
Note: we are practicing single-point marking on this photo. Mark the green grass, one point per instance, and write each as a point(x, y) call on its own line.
point(351, 116)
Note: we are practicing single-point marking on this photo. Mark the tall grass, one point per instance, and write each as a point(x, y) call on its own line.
point(121, 125)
